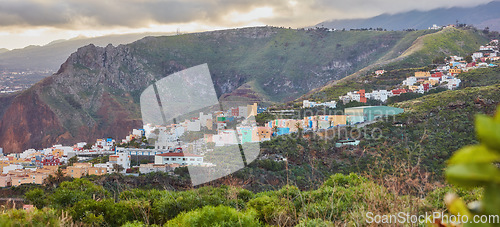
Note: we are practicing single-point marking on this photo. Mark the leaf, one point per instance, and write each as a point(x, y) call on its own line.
point(473, 174)
point(491, 199)
point(474, 154)
point(488, 131)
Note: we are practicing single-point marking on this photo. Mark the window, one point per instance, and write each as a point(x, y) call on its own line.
point(191, 159)
point(173, 159)
point(183, 159)
point(167, 159)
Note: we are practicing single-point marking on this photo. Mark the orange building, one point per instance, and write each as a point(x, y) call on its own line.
point(362, 96)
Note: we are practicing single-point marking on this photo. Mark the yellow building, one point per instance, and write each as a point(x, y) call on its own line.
point(81, 169)
point(252, 110)
point(262, 133)
point(455, 71)
point(422, 75)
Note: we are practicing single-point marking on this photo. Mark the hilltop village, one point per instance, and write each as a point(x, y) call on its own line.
point(163, 148)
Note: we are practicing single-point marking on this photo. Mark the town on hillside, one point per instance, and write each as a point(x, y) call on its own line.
point(163, 148)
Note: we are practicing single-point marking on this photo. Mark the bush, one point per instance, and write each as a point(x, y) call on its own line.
point(216, 216)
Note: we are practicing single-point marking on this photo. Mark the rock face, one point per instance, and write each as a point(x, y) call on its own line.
point(96, 91)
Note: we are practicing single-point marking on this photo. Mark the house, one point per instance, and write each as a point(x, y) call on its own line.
point(182, 159)
point(81, 169)
point(380, 95)
point(122, 159)
point(151, 168)
point(410, 81)
point(379, 72)
point(397, 92)
point(422, 75)
point(477, 55)
point(455, 71)
point(358, 96)
point(349, 142)
point(263, 133)
point(5, 180)
point(309, 104)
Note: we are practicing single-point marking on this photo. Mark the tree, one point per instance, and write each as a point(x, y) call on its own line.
point(36, 197)
point(117, 168)
point(275, 130)
point(438, 60)
point(468, 59)
point(72, 160)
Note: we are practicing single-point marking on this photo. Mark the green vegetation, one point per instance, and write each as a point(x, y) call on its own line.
point(480, 77)
point(477, 166)
point(341, 199)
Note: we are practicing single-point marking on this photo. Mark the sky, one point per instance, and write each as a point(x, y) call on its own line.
point(38, 22)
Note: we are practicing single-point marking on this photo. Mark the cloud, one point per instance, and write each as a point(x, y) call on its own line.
point(103, 14)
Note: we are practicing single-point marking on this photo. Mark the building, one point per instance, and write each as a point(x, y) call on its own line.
point(182, 159)
point(350, 142)
point(122, 159)
point(379, 72)
point(380, 95)
point(358, 96)
point(309, 104)
point(422, 75)
point(152, 168)
point(369, 113)
point(410, 81)
point(78, 170)
point(454, 71)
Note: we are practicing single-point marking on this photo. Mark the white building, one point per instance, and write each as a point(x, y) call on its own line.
point(309, 104)
point(453, 83)
point(242, 111)
point(380, 95)
point(81, 145)
point(477, 55)
point(410, 81)
point(204, 119)
point(194, 126)
point(183, 159)
point(120, 158)
point(138, 132)
point(11, 167)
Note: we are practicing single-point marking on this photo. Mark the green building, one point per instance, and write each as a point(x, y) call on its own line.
point(369, 113)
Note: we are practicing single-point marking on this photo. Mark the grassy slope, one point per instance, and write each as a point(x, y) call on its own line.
point(436, 126)
point(277, 57)
point(449, 41)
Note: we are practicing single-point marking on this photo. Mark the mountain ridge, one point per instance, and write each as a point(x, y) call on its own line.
point(481, 16)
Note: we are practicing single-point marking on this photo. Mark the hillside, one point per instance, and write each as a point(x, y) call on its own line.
point(417, 57)
point(480, 16)
point(96, 91)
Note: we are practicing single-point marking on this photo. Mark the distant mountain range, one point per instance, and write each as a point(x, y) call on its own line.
point(481, 16)
point(51, 56)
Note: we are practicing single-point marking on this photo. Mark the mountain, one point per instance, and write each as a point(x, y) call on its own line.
point(480, 16)
point(50, 56)
point(96, 91)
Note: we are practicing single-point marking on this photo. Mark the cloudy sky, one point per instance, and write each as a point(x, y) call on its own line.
point(38, 22)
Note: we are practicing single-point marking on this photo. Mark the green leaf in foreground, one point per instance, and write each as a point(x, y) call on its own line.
point(474, 154)
point(473, 174)
point(488, 131)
